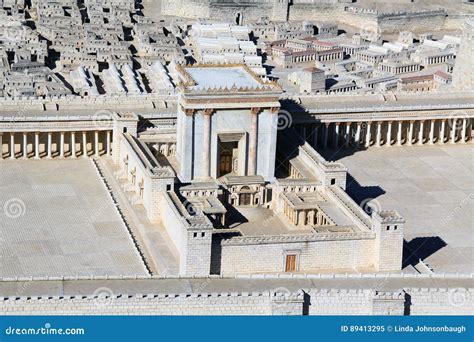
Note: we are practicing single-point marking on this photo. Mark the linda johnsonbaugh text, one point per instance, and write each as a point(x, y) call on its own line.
point(403, 329)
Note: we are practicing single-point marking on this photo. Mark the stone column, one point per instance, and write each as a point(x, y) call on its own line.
point(73, 144)
point(96, 144)
point(1, 145)
point(464, 131)
point(84, 145)
point(315, 136)
point(12, 145)
point(325, 135)
point(206, 144)
point(432, 128)
point(357, 134)
point(421, 132)
point(253, 142)
point(50, 146)
point(410, 133)
point(442, 131)
point(108, 143)
point(389, 134)
point(453, 132)
point(348, 133)
point(61, 145)
point(379, 134)
point(367, 137)
point(400, 133)
point(25, 145)
point(335, 141)
point(37, 146)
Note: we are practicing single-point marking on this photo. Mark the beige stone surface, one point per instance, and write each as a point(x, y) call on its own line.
point(56, 219)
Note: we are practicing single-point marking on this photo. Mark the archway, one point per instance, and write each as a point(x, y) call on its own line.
point(238, 18)
point(245, 196)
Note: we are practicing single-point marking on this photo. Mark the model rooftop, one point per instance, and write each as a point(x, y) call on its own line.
point(222, 77)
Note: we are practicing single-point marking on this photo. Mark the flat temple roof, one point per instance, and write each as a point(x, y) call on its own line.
point(222, 77)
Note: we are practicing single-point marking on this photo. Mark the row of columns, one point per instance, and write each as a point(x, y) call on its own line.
point(61, 146)
point(438, 60)
point(323, 57)
point(396, 69)
point(303, 217)
point(388, 133)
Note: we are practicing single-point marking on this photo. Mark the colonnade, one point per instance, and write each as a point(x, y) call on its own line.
point(387, 133)
point(50, 145)
point(303, 217)
point(438, 59)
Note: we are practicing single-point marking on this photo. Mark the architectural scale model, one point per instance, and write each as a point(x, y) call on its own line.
point(236, 157)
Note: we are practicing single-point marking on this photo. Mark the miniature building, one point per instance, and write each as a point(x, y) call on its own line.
point(312, 80)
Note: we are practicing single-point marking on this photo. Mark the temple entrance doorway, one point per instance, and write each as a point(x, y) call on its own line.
point(245, 196)
point(226, 162)
point(228, 158)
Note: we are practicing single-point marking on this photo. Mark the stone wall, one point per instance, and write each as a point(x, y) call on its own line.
point(240, 255)
point(193, 241)
point(165, 304)
point(412, 21)
point(243, 12)
point(312, 10)
point(440, 301)
point(148, 177)
point(276, 301)
point(355, 302)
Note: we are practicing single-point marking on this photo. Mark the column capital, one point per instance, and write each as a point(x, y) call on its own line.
point(188, 112)
point(256, 110)
point(208, 112)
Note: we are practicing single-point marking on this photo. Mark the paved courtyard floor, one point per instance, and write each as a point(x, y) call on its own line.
point(56, 218)
point(432, 187)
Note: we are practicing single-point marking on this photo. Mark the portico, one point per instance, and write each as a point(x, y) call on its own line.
point(227, 125)
point(54, 144)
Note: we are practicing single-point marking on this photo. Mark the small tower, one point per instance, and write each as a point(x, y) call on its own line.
point(388, 226)
point(280, 10)
point(463, 74)
point(123, 123)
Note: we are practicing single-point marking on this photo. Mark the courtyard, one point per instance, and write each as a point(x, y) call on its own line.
point(57, 219)
point(433, 189)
